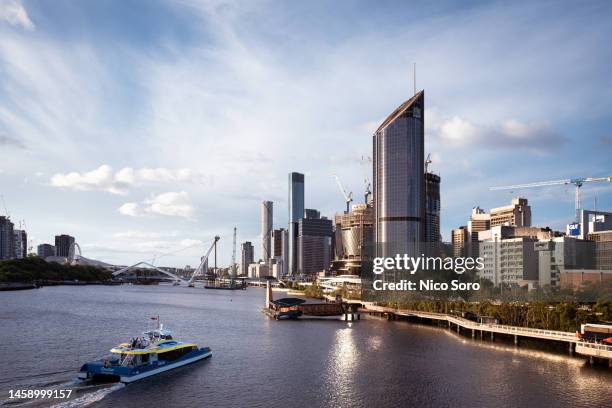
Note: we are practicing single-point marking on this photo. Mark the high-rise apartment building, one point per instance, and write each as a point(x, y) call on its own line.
point(247, 255)
point(314, 244)
point(21, 243)
point(266, 229)
point(7, 238)
point(63, 245)
point(399, 184)
point(296, 212)
point(517, 214)
point(460, 239)
point(45, 250)
point(432, 208)
point(277, 242)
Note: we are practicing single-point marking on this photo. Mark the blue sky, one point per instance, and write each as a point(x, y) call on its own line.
point(147, 127)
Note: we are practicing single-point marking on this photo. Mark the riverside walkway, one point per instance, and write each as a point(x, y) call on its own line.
point(592, 350)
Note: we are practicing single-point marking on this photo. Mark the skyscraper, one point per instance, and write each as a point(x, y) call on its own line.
point(266, 229)
point(432, 207)
point(63, 244)
point(21, 243)
point(399, 184)
point(246, 256)
point(7, 238)
point(314, 243)
point(296, 211)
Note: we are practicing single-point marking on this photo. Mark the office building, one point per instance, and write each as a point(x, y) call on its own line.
point(296, 212)
point(510, 261)
point(354, 238)
point(277, 242)
point(517, 213)
point(45, 250)
point(20, 240)
point(7, 238)
point(432, 208)
point(399, 184)
point(577, 278)
point(258, 270)
point(247, 256)
point(266, 229)
point(558, 254)
point(590, 221)
point(479, 221)
point(460, 240)
point(603, 249)
point(314, 246)
point(63, 245)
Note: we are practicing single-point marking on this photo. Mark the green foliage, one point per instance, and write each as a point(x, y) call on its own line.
point(314, 291)
point(34, 269)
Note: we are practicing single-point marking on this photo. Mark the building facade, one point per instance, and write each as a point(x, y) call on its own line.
point(354, 238)
point(7, 238)
point(399, 182)
point(432, 208)
point(21, 243)
point(45, 250)
point(63, 245)
point(247, 255)
point(296, 211)
point(517, 214)
point(267, 214)
point(460, 239)
point(603, 249)
point(314, 244)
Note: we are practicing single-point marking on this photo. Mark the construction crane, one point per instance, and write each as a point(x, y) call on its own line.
point(348, 197)
point(366, 162)
point(427, 161)
point(234, 255)
point(578, 182)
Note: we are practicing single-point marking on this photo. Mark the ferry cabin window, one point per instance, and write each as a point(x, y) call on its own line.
point(144, 358)
point(175, 354)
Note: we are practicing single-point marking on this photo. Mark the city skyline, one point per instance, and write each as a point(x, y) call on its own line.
point(120, 146)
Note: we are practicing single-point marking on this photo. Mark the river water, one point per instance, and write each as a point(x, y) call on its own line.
point(46, 334)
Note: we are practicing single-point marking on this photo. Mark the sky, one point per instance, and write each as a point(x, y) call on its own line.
point(145, 128)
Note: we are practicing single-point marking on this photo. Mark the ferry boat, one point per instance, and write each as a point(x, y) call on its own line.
point(153, 353)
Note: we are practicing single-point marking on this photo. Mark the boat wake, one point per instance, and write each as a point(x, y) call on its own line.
point(89, 397)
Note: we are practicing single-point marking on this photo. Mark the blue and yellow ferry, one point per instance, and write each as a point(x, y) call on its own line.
point(153, 353)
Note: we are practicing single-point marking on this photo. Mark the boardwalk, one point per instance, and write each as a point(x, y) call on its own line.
point(580, 347)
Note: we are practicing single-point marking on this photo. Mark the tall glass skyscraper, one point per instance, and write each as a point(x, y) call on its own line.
point(266, 229)
point(399, 188)
point(296, 211)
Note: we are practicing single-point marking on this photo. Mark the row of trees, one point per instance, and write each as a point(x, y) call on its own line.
point(566, 316)
point(34, 269)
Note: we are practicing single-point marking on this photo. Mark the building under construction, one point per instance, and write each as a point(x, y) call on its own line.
point(354, 238)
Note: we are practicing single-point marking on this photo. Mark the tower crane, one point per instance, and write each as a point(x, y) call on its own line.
point(578, 182)
point(348, 197)
point(427, 161)
point(366, 162)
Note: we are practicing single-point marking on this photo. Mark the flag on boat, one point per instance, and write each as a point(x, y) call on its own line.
point(155, 318)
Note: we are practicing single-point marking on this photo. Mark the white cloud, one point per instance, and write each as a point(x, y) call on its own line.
point(144, 234)
point(509, 134)
point(105, 179)
point(130, 209)
point(172, 204)
point(13, 12)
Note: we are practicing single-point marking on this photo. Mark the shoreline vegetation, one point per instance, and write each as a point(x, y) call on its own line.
point(32, 272)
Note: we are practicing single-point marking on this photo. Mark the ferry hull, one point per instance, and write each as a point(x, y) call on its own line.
point(126, 375)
